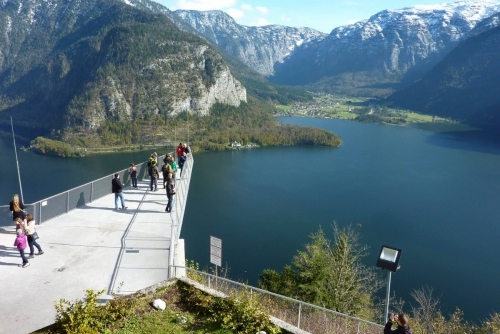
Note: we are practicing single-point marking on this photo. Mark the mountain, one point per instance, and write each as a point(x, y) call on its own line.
point(74, 63)
point(390, 47)
point(464, 85)
point(260, 48)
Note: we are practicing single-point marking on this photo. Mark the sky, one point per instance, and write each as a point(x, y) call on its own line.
point(322, 15)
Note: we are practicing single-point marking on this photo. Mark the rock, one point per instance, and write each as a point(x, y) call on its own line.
point(159, 304)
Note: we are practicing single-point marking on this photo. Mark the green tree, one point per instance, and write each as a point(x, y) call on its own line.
point(329, 274)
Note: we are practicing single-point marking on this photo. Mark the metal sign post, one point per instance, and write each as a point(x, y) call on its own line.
point(215, 254)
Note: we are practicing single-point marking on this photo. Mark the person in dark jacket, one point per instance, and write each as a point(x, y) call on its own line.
point(17, 208)
point(182, 161)
point(170, 195)
point(402, 321)
point(117, 189)
point(155, 174)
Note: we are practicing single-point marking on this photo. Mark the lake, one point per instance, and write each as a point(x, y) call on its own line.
point(432, 194)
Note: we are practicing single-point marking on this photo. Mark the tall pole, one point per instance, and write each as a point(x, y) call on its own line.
point(187, 115)
point(17, 162)
point(387, 296)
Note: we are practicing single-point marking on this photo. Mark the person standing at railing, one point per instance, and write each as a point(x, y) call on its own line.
point(179, 151)
point(182, 161)
point(117, 189)
point(170, 194)
point(133, 175)
point(186, 149)
point(17, 208)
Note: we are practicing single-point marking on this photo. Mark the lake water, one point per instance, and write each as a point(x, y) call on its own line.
point(434, 195)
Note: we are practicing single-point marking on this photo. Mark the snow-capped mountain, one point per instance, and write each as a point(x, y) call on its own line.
point(258, 47)
point(394, 43)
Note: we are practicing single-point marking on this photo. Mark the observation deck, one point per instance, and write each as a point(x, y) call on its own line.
point(87, 244)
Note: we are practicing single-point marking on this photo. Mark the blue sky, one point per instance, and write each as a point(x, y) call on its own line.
point(322, 15)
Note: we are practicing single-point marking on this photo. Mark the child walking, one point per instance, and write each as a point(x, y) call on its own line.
point(20, 243)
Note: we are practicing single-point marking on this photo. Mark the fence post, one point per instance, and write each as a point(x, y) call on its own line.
point(67, 202)
point(298, 318)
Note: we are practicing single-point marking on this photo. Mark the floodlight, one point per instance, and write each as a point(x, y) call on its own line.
point(389, 258)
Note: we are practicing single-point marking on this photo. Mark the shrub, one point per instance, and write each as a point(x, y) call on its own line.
point(86, 316)
point(241, 315)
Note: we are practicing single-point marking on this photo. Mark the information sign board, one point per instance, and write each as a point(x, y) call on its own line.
point(216, 251)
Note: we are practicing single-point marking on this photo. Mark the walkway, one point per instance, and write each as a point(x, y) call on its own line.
point(92, 247)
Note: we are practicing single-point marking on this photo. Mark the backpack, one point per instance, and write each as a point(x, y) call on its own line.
point(150, 169)
point(174, 166)
point(134, 173)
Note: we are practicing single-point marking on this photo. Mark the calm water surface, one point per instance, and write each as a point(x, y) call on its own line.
point(434, 195)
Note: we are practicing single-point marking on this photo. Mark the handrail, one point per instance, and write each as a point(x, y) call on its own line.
point(303, 315)
point(181, 190)
point(59, 204)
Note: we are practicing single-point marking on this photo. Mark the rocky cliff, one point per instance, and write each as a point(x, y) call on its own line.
point(82, 63)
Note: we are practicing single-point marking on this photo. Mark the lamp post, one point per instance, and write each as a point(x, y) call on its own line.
point(388, 259)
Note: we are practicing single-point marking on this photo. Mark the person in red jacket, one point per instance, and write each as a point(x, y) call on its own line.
point(179, 151)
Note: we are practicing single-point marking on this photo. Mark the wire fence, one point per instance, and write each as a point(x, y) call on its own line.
point(307, 317)
point(69, 200)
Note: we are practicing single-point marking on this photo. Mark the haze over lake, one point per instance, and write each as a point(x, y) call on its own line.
point(434, 195)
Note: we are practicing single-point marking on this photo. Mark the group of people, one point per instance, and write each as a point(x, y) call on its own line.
point(169, 170)
point(26, 234)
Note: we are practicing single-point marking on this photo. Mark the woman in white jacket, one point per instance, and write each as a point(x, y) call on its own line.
point(30, 233)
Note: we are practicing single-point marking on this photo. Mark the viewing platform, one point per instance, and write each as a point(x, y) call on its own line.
point(92, 246)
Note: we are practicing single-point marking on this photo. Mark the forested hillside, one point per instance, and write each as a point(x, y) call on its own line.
point(463, 86)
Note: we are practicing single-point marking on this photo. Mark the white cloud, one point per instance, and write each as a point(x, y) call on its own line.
point(205, 4)
point(262, 10)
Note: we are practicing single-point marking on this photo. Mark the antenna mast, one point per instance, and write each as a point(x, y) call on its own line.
point(17, 162)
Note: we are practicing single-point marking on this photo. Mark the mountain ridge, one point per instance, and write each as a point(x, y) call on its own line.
point(120, 79)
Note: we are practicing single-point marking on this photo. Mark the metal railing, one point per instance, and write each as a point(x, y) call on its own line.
point(179, 207)
point(69, 200)
point(304, 316)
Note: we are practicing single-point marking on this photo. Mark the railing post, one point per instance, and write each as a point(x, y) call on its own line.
point(298, 318)
point(67, 201)
point(91, 191)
